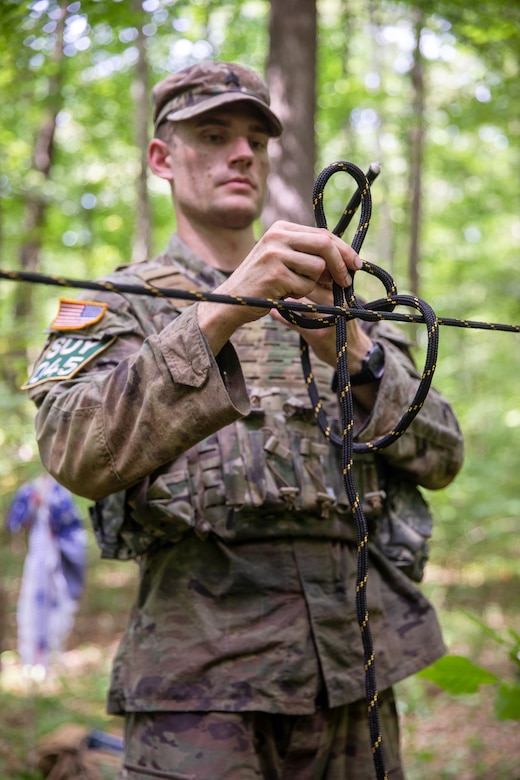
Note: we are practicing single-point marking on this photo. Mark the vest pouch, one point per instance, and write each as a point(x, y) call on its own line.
point(119, 537)
point(316, 471)
point(271, 474)
point(405, 528)
point(163, 504)
point(275, 459)
point(257, 464)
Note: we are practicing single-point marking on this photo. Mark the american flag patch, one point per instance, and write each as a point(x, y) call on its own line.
point(74, 315)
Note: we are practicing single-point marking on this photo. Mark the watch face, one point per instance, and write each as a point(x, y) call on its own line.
point(375, 361)
point(372, 367)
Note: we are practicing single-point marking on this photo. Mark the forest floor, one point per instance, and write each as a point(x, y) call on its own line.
point(443, 736)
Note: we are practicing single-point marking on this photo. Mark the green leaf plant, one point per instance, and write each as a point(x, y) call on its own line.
point(459, 676)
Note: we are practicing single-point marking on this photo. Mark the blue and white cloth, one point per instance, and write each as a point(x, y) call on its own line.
point(54, 569)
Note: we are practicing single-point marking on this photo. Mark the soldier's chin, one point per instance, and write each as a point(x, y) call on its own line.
point(238, 217)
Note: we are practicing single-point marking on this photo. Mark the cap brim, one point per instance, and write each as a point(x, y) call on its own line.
point(274, 124)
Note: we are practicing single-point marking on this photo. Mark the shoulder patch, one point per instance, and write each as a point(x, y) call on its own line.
point(64, 357)
point(75, 315)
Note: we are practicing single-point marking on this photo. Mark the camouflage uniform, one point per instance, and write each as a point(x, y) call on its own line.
point(330, 744)
point(214, 474)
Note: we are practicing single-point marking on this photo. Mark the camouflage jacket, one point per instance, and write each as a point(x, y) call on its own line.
point(214, 474)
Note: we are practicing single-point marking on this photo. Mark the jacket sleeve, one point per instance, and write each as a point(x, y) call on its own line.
point(137, 407)
point(431, 451)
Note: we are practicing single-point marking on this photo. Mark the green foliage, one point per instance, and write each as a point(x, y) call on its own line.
point(457, 675)
point(507, 702)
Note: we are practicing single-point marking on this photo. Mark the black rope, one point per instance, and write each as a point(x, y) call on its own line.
point(347, 296)
point(372, 312)
point(342, 297)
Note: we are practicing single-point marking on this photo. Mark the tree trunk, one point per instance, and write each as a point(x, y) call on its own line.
point(416, 135)
point(291, 74)
point(35, 205)
point(385, 240)
point(142, 242)
point(34, 214)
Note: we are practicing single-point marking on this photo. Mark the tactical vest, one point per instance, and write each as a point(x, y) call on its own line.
point(269, 475)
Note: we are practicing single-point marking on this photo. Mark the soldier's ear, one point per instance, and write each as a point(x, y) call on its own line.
point(160, 159)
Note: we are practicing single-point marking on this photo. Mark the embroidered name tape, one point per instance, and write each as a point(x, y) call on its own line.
point(64, 358)
point(74, 315)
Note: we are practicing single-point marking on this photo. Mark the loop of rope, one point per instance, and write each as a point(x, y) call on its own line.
point(342, 297)
point(347, 296)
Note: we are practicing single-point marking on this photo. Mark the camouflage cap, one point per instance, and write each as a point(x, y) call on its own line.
point(206, 85)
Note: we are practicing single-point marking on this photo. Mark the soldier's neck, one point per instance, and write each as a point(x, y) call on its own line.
point(221, 248)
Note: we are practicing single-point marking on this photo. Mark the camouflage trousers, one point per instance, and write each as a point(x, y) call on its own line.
point(331, 744)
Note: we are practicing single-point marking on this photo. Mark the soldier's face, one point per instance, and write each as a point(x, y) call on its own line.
point(219, 164)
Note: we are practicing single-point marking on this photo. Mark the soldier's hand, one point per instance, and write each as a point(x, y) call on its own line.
point(289, 261)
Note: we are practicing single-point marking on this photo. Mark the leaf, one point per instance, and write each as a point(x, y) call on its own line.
point(458, 675)
point(507, 701)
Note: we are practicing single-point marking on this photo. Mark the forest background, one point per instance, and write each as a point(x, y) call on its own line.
point(432, 91)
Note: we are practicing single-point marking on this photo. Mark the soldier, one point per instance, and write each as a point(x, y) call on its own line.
point(190, 427)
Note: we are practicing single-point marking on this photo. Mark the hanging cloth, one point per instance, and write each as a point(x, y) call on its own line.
point(54, 568)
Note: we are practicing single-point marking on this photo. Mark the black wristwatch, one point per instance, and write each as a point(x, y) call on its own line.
point(372, 366)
